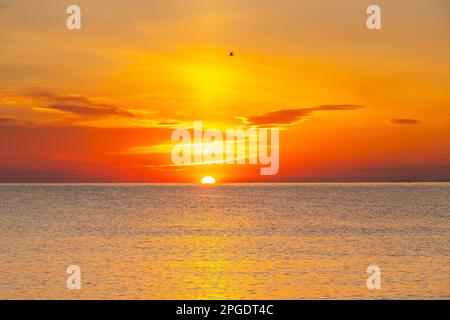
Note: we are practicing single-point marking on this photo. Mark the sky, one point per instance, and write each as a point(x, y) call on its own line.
point(99, 104)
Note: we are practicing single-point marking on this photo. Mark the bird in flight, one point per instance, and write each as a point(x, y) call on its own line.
point(231, 54)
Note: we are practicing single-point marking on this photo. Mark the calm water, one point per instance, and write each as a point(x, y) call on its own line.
point(233, 241)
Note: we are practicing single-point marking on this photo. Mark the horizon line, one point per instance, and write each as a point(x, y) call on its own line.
point(227, 182)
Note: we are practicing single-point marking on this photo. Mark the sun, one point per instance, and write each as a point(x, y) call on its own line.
point(208, 180)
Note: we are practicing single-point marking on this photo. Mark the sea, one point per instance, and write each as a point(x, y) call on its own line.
point(226, 241)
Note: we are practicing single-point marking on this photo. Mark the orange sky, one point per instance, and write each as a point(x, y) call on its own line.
point(99, 104)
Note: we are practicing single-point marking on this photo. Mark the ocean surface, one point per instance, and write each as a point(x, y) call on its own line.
point(243, 241)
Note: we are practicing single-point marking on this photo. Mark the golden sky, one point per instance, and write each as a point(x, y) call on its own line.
point(100, 103)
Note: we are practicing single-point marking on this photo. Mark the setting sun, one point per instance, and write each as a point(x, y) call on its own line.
point(208, 180)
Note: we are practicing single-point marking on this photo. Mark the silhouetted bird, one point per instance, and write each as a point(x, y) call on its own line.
point(231, 54)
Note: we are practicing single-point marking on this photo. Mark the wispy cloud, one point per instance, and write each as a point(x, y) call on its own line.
point(77, 105)
point(90, 110)
point(405, 121)
point(291, 116)
point(10, 121)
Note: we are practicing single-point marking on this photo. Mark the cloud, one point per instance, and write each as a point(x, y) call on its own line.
point(47, 108)
point(90, 110)
point(9, 121)
point(405, 121)
point(292, 116)
point(168, 123)
point(76, 104)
